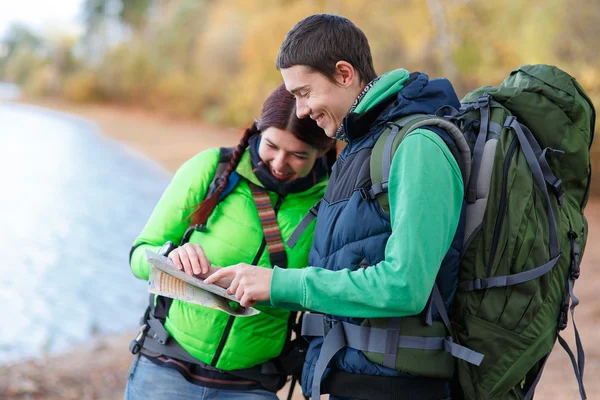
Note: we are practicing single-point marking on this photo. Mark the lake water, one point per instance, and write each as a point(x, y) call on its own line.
point(71, 204)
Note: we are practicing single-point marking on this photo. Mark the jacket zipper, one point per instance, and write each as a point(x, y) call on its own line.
point(231, 319)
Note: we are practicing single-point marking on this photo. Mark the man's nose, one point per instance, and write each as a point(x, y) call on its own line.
point(302, 109)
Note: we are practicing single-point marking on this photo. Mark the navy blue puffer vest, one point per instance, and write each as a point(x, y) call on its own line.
point(352, 231)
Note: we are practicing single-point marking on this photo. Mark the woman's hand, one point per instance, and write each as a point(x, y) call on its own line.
point(249, 283)
point(191, 259)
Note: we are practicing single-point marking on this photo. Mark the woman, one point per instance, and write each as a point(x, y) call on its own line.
point(217, 355)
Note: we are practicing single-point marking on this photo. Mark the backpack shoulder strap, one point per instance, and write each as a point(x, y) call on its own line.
point(390, 139)
point(234, 178)
point(224, 158)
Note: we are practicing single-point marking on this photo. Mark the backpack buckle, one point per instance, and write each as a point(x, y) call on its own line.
point(483, 101)
point(328, 324)
point(564, 317)
point(575, 256)
point(363, 193)
point(136, 344)
point(479, 284)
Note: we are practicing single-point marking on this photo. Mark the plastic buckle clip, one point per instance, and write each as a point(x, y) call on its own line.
point(136, 344)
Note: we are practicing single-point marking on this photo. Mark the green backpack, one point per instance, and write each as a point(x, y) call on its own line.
point(527, 183)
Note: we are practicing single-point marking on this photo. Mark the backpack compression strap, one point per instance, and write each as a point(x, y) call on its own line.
point(530, 147)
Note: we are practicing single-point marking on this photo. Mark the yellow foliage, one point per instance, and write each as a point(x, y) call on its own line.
point(177, 95)
point(39, 82)
point(82, 87)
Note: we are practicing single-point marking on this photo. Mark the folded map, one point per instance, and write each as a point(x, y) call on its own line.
point(166, 280)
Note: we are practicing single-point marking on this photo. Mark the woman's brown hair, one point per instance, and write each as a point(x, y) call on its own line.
point(278, 111)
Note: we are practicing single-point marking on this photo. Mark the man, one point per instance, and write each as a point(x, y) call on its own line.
point(365, 263)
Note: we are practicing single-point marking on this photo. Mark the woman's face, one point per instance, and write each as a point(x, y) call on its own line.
point(287, 157)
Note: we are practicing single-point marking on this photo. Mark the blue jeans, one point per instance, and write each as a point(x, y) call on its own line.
point(149, 381)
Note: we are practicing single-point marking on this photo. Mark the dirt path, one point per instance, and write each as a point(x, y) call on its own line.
point(98, 370)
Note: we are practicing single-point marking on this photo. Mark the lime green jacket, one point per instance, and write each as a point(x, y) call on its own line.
point(234, 235)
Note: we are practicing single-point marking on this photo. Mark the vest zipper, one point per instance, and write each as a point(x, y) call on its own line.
point(231, 319)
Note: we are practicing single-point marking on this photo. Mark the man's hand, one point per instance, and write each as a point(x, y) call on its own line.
point(249, 283)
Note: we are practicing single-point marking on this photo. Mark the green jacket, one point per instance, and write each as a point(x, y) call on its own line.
point(234, 235)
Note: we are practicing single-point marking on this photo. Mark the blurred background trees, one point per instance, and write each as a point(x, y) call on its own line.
point(215, 59)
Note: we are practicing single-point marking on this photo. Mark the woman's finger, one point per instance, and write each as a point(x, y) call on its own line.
point(174, 256)
point(185, 261)
point(204, 262)
point(194, 259)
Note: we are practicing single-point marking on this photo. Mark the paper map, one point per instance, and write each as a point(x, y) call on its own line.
point(166, 280)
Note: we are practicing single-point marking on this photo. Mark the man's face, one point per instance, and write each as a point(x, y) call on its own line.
point(319, 98)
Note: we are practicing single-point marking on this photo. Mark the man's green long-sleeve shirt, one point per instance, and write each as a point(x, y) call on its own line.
point(426, 196)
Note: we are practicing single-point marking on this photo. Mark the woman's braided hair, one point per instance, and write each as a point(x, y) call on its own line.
point(279, 111)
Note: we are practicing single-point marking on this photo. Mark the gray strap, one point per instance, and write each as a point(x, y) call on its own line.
point(334, 342)
point(579, 364)
point(484, 122)
point(380, 187)
point(387, 154)
point(458, 351)
point(392, 341)
point(538, 177)
point(462, 353)
point(510, 280)
point(157, 331)
point(313, 325)
point(378, 340)
point(495, 127)
point(365, 338)
point(429, 311)
point(576, 369)
point(549, 176)
point(173, 351)
point(540, 181)
point(308, 218)
point(439, 305)
point(403, 122)
point(554, 182)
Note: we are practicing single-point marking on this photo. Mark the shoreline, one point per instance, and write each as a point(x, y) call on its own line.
point(168, 141)
point(98, 369)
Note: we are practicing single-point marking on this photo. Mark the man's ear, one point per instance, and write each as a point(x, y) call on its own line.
point(345, 74)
